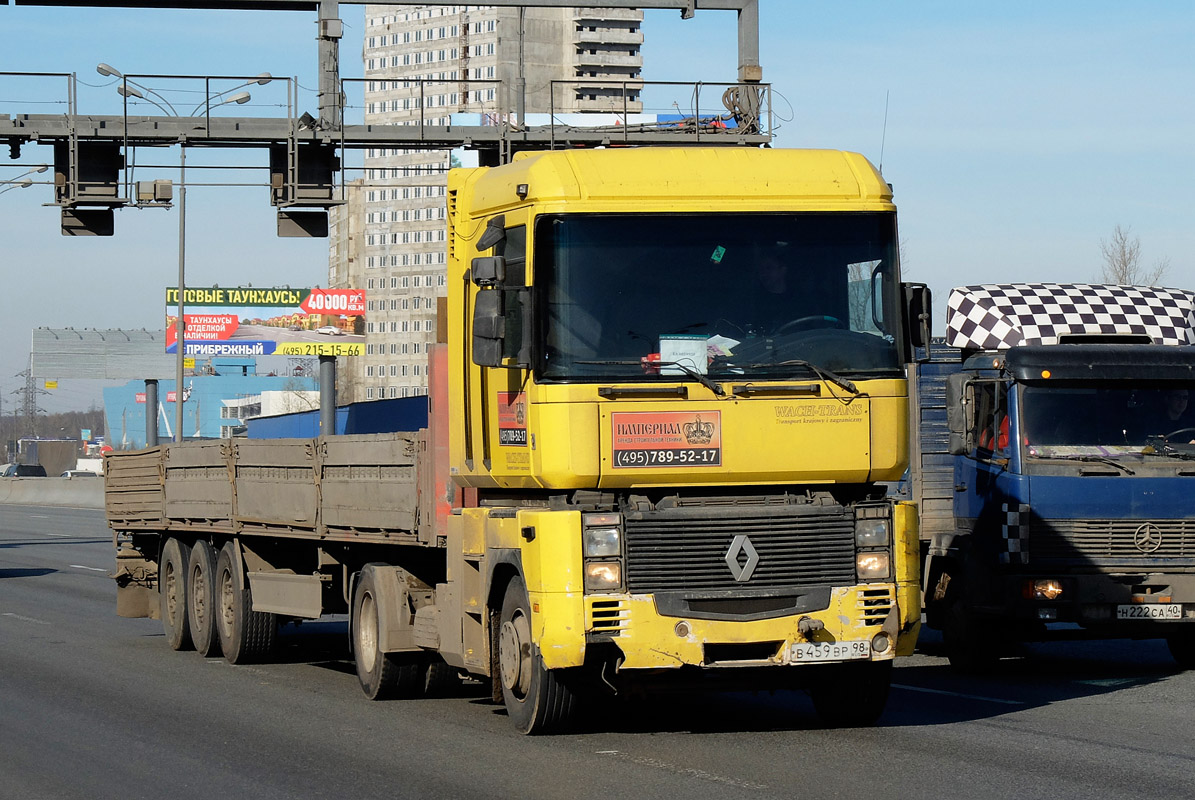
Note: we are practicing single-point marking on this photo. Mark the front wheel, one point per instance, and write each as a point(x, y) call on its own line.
point(537, 699)
point(852, 695)
point(1182, 648)
point(972, 648)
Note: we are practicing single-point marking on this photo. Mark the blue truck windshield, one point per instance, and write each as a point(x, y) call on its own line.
point(1067, 419)
point(646, 297)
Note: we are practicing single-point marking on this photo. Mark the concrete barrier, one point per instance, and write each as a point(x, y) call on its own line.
point(73, 492)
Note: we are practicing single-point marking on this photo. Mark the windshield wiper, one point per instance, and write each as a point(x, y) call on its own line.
point(713, 386)
point(1099, 460)
point(824, 374)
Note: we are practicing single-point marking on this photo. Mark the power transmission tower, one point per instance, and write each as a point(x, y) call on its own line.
point(27, 402)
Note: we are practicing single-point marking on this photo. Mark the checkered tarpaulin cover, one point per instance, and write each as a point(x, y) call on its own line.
point(999, 316)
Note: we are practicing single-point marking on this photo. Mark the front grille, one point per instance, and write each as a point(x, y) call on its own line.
point(875, 605)
point(1069, 539)
point(685, 549)
point(607, 616)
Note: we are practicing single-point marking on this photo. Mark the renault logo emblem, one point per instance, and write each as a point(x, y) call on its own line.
point(741, 546)
point(1147, 538)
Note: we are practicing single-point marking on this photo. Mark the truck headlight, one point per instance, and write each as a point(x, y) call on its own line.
point(602, 542)
point(1046, 589)
point(872, 532)
point(871, 566)
point(603, 576)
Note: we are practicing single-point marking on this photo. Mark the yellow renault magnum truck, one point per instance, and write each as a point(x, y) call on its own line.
point(680, 380)
point(670, 385)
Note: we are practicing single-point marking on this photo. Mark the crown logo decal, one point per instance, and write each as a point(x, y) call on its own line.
point(698, 432)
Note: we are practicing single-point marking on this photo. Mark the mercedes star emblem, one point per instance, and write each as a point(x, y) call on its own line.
point(1147, 538)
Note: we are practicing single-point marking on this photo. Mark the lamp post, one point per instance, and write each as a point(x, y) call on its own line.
point(128, 89)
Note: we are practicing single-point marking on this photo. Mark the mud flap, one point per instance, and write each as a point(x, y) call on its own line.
point(136, 584)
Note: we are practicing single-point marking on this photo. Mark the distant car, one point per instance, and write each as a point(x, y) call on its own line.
point(24, 471)
point(330, 330)
point(79, 473)
point(294, 327)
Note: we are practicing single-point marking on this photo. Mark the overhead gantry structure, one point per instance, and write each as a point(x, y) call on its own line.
point(306, 151)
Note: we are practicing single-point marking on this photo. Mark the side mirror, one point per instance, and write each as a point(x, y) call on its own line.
point(488, 270)
point(960, 414)
point(489, 328)
point(918, 312)
point(495, 231)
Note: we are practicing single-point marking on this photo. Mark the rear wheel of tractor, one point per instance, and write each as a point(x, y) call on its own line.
point(382, 675)
point(201, 599)
point(537, 699)
point(172, 589)
point(1182, 648)
point(245, 635)
point(852, 695)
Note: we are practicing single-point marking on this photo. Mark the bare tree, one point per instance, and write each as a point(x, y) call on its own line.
point(1122, 261)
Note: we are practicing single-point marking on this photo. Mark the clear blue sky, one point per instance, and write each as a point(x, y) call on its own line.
point(1019, 134)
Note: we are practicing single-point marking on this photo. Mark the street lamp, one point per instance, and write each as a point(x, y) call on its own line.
point(18, 183)
point(260, 80)
point(106, 70)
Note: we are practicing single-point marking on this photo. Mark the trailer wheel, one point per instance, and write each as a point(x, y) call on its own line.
point(382, 675)
point(201, 599)
point(538, 700)
point(1182, 648)
point(852, 695)
point(172, 589)
point(245, 635)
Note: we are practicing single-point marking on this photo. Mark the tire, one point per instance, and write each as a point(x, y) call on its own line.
point(1182, 649)
point(245, 635)
point(172, 590)
point(852, 695)
point(201, 599)
point(972, 648)
point(538, 700)
point(439, 679)
point(383, 676)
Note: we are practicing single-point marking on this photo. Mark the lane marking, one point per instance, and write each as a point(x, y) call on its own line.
point(24, 618)
point(959, 694)
point(93, 569)
point(62, 535)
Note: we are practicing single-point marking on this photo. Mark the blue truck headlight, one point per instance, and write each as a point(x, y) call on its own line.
point(872, 532)
point(871, 566)
point(1047, 589)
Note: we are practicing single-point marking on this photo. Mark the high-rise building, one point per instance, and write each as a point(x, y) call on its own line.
point(423, 65)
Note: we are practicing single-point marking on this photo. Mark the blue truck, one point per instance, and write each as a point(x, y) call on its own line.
point(1053, 461)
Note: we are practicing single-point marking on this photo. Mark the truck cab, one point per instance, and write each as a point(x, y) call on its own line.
point(1072, 478)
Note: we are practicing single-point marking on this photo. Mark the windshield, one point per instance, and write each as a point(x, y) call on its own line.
point(758, 295)
point(1070, 419)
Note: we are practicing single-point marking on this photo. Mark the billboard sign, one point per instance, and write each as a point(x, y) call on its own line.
point(246, 321)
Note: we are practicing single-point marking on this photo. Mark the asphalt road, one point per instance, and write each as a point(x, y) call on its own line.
point(95, 706)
